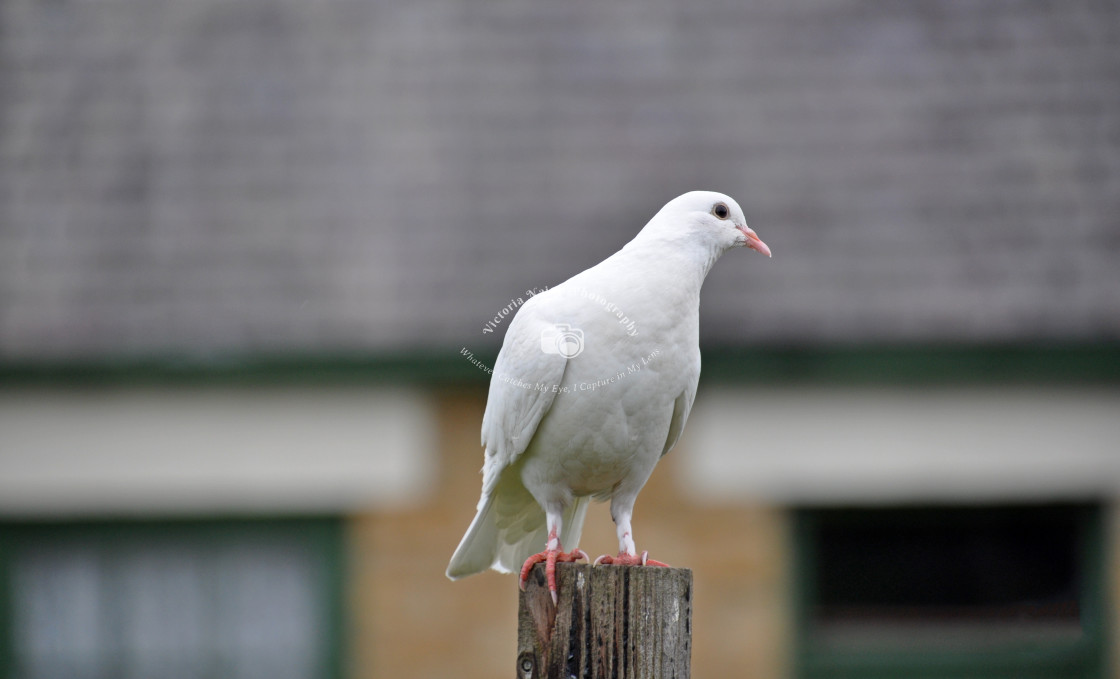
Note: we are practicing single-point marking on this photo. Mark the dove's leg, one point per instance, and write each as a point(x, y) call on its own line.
point(553, 553)
point(621, 511)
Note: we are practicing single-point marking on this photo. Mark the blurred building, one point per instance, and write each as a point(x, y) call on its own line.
point(245, 245)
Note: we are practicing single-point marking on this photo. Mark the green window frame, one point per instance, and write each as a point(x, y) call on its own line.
point(311, 550)
point(1061, 656)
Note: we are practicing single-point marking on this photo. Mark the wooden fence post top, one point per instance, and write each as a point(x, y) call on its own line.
point(611, 622)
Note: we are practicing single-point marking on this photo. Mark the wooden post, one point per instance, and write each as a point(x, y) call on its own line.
point(612, 622)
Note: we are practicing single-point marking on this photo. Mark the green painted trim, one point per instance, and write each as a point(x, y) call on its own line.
point(1097, 601)
point(1085, 658)
point(334, 546)
point(248, 370)
point(325, 535)
point(981, 364)
point(7, 641)
point(895, 364)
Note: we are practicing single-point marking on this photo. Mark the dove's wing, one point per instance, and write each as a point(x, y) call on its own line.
point(509, 523)
point(523, 387)
point(682, 406)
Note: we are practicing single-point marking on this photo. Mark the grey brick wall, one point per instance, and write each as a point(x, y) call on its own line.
point(227, 176)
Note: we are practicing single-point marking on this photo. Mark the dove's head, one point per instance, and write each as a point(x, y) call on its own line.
point(714, 218)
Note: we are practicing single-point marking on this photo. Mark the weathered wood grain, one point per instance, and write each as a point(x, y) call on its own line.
point(612, 622)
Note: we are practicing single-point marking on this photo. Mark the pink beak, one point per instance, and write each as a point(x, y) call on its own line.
point(753, 241)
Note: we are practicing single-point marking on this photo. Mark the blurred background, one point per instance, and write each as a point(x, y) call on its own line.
point(244, 245)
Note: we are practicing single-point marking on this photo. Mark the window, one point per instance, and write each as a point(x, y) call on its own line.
point(242, 599)
point(947, 592)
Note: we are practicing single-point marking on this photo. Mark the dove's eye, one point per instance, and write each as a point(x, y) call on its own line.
point(720, 210)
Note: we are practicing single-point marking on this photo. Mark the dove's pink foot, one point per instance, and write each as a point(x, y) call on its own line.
point(624, 559)
point(550, 557)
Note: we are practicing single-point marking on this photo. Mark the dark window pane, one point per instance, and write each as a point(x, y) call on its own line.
point(947, 575)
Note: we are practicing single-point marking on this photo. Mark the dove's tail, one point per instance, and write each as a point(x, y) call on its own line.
point(509, 528)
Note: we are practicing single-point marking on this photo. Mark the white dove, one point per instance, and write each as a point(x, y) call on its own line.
point(592, 386)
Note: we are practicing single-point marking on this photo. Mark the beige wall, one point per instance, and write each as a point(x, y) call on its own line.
point(409, 620)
